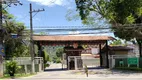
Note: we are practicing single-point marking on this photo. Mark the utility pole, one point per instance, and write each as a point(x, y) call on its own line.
point(31, 36)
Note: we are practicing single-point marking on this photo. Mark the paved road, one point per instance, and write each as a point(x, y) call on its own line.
point(94, 74)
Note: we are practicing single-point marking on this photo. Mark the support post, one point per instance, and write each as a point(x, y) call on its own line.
point(1, 40)
point(75, 62)
point(107, 53)
point(26, 71)
point(101, 58)
point(1, 66)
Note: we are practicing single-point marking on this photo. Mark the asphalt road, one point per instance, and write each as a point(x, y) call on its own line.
point(55, 72)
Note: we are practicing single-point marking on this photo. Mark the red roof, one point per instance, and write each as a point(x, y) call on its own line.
point(71, 38)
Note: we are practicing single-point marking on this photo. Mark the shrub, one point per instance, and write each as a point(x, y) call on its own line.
point(58, 60)
point(45, 58)
point(12, 67)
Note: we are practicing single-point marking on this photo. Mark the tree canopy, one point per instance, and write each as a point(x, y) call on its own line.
point(121, 14)
point(12, 34)
point(116, 11)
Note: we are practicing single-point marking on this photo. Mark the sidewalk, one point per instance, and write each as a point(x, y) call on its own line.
point(95, 74)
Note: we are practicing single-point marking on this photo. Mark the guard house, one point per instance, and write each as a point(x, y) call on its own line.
point(73, 46)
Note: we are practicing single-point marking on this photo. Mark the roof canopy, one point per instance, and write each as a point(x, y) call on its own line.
point(71, 38)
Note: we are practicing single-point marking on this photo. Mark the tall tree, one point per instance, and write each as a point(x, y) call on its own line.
point(12, 34)
point(119, 13)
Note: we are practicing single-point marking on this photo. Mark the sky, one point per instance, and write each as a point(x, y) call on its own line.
point(54, 14)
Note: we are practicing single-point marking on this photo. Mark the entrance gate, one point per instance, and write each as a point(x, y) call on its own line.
point(73, 42)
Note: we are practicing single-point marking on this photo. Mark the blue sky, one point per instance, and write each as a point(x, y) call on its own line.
point(54, 14)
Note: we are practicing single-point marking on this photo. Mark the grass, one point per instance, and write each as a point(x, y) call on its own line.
point(129, 69)
point(6, 76)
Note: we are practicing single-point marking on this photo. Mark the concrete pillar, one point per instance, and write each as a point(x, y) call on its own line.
point(1, 66)
point(75, 60)
point(26, 70)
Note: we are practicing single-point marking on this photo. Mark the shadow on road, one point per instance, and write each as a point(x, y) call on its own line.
point(56, 69)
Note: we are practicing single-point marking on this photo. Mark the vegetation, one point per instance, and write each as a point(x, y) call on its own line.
point(6, 76)
point(59, 52)
point(12, 67)
point(46, 58)
point(12, 33)
point(129, 68)
point(117, 43)
point(118, 13)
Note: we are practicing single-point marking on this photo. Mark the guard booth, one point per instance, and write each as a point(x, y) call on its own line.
point(72, 53)
point(73, 46)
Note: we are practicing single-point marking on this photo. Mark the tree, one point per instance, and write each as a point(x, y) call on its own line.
point(46, 58)
point(92, 20)
point(119, 13)
point(12, 36)
point(59, 52)
point(117, 43)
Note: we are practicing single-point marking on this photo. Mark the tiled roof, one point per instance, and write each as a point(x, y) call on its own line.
point(71, 38)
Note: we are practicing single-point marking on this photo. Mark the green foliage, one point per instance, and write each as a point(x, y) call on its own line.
point(118, 11)
point(56, 59)
point(13, 46)
point(46, 58)
point(129, 68)
point(116, 43)
point(12, 67)
point(59, 52)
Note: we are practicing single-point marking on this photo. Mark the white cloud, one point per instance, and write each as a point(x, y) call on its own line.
point(52, 2)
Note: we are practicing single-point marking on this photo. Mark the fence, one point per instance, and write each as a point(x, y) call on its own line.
point(25, 63)
point(125, 61)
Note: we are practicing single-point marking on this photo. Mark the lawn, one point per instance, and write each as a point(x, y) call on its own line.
point(6, 76)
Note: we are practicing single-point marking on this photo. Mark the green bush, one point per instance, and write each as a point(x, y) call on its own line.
point(45, 58)
point(58, 60)
point(12, 67)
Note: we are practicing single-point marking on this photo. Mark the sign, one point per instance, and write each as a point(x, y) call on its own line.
point(2, 51)
point(95, 50)
point(133, 61)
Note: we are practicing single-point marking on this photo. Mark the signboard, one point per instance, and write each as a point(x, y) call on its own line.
point(95, 50)
point(2, 51)
point(133, 61)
